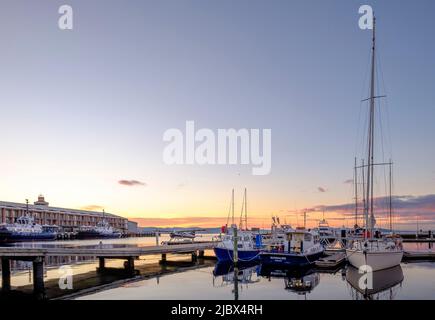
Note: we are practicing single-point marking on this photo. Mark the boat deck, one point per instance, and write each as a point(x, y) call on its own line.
point(331, 261)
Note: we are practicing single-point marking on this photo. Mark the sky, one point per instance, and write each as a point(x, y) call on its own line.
point(83, 111)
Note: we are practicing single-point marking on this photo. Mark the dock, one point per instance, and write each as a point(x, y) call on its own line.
point(331, 261)
point(418, 255)
point(38, 255)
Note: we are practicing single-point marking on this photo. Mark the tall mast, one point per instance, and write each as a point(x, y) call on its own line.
point(391, 197)
point(355, 181)
point(305, 219)
point(364, 192)
point(371, 137)
point(246, 211)
point(232, 207)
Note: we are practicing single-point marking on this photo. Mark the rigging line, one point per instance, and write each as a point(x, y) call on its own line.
point(384, 205)
point(389, 142)
point(365, 87)
point(381, 71)
point(229, 213)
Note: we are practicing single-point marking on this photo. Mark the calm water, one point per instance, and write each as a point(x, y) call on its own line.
point(409, 281)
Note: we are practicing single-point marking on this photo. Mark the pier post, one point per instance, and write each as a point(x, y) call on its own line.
point(194, 256)
point(6, 274)
point(163, 258)
point(129, 265)
point(201, 253)
point(157, 238)
point(101, 264)
point(38, 278)
point(235, 242)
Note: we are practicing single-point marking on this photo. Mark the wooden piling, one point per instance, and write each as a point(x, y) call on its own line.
point(6, 274)
point(194, 256)
point(129, 265)
point(38, 278)
point(235, 252)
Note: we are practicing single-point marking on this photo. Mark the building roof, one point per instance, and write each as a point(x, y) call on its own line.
point(16, 205)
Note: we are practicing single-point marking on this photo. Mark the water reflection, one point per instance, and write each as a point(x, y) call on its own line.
point(299, 281)
point(385, 283)
point(240, 277)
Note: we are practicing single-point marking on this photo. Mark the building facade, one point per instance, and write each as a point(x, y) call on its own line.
point(66, 219)
point(132, 228)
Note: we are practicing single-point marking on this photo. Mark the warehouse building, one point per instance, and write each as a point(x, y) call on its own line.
point(68, 219)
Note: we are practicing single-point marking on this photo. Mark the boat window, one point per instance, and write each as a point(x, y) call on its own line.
point(307, 237)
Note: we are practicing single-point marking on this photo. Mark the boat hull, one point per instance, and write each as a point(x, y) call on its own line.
point(226, 255)
point(288, 259)
point(8, 236)
point(378, 260)
point(82, 235)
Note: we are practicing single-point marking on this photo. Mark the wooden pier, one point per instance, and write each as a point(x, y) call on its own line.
point(37, 257)
point(418, 255)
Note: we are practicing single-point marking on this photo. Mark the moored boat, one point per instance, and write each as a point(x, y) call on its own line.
point(101, 231)
point(248, 242)
point(248, 247)
point(301, 248)
point(25, 229)
point(376, 253)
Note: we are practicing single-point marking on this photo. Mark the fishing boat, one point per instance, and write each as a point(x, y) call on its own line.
point(102, 230)
point(377, 253)
point(248, 247)
point(326, 233)
point(25, 229)
point(248, 242)
point(301, 248)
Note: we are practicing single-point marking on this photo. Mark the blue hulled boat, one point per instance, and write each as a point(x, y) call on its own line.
point(248, 247)
point(25, 229)
point(300, 248)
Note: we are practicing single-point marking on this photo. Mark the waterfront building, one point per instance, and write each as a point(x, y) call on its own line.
point(133, 228)
point(68, 220)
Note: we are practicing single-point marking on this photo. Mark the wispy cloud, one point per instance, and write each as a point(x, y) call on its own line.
point(93, 207)
point(181, 186)
point(321, 189)
point(348, 181)
point(406, 208)
point(131, 183)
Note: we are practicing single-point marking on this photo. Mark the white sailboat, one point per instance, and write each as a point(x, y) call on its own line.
point(376, 253)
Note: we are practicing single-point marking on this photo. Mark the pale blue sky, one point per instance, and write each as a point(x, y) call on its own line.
point(82, 109)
